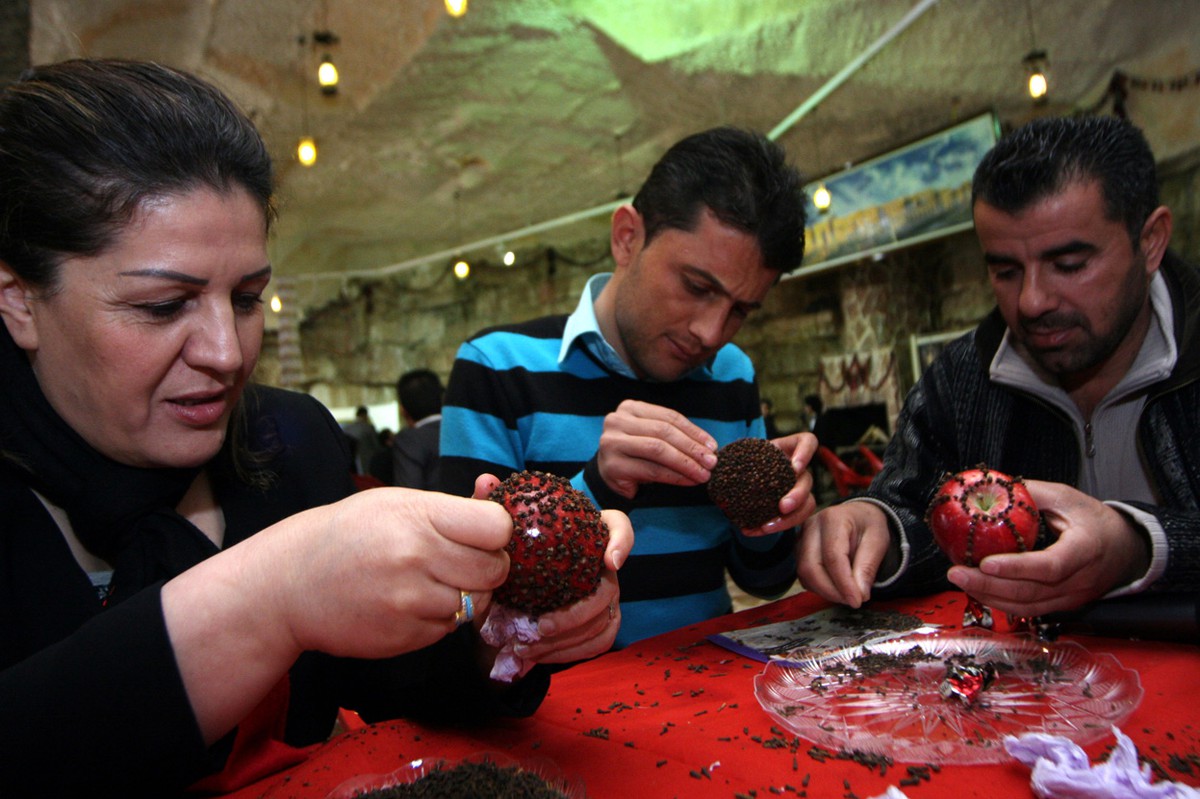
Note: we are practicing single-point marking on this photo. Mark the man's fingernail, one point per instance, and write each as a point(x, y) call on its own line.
point(773, 526)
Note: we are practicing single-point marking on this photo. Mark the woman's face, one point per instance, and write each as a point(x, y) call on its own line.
point(146, 348)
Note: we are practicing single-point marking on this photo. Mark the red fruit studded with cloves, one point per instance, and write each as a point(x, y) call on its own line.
point(557, 547)
point(980, 512)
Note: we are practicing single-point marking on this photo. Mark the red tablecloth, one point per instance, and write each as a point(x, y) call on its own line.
point(676, 716)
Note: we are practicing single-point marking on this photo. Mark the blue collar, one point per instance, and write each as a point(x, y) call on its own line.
point(583, 329)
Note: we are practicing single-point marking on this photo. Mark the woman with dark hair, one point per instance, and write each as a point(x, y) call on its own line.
point(182, 562)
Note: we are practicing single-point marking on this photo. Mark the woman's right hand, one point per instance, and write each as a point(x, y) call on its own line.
point(380, 573)
point(374, 575)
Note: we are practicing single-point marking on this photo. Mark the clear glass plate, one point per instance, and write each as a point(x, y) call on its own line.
point(881, 700)
point(417, 769)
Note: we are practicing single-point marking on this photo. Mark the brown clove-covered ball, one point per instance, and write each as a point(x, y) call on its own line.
point(750, 478)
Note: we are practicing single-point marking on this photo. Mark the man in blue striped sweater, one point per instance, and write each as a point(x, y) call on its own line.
point(631, 395)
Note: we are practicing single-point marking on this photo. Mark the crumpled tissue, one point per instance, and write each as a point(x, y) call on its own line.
point(892, 793)
point(504, 629)
point(1061, 770)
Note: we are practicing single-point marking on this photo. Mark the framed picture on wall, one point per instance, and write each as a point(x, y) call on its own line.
point(925, 348)
point(915, 193)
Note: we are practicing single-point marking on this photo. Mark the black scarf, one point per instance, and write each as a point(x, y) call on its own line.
point(123, 514)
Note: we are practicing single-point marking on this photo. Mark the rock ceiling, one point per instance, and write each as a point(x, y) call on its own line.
point(500, 125)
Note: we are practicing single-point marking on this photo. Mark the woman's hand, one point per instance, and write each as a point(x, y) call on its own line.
point(383, 570)
point(375, 575)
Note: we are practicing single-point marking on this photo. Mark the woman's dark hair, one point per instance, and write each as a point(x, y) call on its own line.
point(1048, 154)
point(84, 143)
point(743, 178)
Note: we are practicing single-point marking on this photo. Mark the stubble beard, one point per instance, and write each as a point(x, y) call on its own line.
point(1095, 350)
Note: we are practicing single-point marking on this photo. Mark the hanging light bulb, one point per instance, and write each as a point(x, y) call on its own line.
point(456, 8)
point(276, 303)
point(327, 75)
point(461, 269)
point(1035, 64)
point(821, 198)
point(1037, 85)
point(510, 258)
point(306, 148)
point(306, 151)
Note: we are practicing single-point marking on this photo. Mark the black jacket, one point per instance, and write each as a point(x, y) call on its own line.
point(91, 700)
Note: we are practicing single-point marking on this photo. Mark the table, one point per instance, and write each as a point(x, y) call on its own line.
point(676, 716)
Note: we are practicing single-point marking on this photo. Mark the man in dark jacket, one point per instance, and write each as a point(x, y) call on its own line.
point(415, 447)
point(1082, 380)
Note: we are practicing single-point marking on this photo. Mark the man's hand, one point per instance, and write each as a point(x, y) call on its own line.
point(1097, 549)
point(645, 443)
point(798, 503)
point(840, 550)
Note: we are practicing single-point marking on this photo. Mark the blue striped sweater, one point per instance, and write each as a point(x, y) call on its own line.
point(511, 405)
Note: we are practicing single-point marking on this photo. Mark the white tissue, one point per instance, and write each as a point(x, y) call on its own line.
point(1061, 770)
point(504, 629)
point(892, 793)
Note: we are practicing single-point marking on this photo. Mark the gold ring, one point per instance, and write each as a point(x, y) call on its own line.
point(466, 609)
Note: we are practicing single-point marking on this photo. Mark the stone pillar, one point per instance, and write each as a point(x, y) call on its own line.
point(865, 371)
point(291, 357)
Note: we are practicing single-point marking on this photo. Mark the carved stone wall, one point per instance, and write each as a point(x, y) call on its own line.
point(354, 349)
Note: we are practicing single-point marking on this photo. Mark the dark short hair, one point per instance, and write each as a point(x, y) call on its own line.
point(84, 143)
point(743, 178)
point(1048, 154)
point(814, 401)
point(420, 393)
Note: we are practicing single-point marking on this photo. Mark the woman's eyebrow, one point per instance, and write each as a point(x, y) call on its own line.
point(181, 277)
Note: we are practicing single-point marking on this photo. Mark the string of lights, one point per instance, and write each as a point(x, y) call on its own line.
point(1122, 83)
